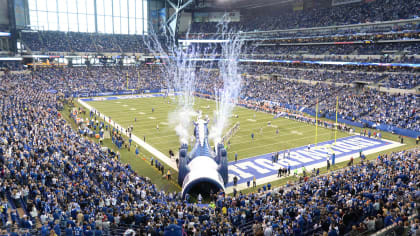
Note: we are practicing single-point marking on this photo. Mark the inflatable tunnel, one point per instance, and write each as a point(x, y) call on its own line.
point(202, 170)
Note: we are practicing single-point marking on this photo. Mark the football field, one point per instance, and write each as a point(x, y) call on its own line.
point(270, 135)
point(149, 114)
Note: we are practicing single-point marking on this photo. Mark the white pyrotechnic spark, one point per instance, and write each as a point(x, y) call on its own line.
point(179, 67)
point(227, 98)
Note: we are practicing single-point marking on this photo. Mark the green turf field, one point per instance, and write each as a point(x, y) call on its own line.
point(291, 133)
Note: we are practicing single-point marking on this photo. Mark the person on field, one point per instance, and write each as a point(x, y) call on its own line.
point(168, 174)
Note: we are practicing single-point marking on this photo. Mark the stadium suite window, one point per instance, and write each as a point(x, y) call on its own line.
point(132, 8)
point(113, 16)
point(64, 23)
point(34, 17)
point(52, 21)
point(124, 25)
point(71, 6)
point(108, 23)
point(117, 25)
point(116, 10)
point(132, 26)
point(41, 5)
point(73, 22)
point(91, 23)
point(82, 23)
point(107, 7)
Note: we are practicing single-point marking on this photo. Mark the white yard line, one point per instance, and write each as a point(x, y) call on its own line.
point(170, 162)
point(245, 138)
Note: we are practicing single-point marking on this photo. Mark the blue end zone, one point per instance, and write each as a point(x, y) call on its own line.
point(262, 166)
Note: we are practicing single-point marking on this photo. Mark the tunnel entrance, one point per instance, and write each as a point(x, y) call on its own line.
point(205, 188)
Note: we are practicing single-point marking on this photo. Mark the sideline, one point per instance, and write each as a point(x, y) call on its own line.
point(168, 161)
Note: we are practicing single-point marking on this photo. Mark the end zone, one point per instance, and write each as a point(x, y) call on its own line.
point(266, 171)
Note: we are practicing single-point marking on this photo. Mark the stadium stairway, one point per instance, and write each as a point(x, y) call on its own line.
point(21, 211)
point(26, 209)
point(118, 45)
point(320, 101)
point(8, 219)
point(380, 78)
point(246, 227)
point(94, 42)
point(13, 207)
point(41, 39)
point(25, 45)
point(115, 44)
point(69, 43)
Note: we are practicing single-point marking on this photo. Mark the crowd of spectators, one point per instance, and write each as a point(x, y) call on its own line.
point(382, 58)
point(322, 35)
point(302, 88)
point(66, 183)
point(399, 110)
point(53, 41)
point(11, 65)
point(32, 40)
point(365, 32)
point(402, 52)
point(76, 42)
point(114, 78)
point(78, 80)
point(338, 49)
point(402, 80)
point(335, 76)
point(292, 86)
point(379, 10)
point(56, 41)
point(389, 31)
